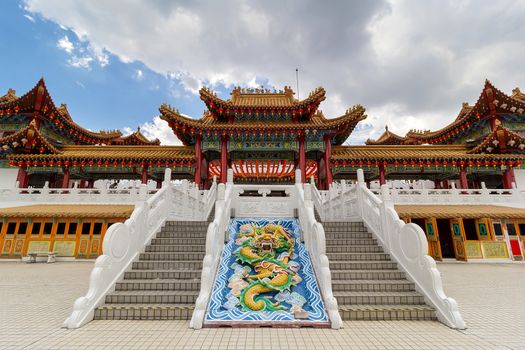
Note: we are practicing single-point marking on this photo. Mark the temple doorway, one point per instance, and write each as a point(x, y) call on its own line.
point(445, 238)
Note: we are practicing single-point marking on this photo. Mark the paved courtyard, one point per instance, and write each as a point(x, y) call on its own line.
point(35, 299)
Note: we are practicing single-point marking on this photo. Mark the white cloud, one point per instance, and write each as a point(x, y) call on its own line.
point(407, 62)
point(157, 129)
point(83, 55)
point(65, 44)
point(30, 18)
point(139, 75)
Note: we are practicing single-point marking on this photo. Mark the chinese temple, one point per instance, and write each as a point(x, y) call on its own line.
point(264, 135)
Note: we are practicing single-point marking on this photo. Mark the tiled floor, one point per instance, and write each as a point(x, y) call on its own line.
point(35, 299)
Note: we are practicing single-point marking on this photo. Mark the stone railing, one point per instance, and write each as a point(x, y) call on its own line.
point(314, 239)
point(337, 204)
point(25, 196)
point(215, 238)
point(123, 243)
point(406, 244)
point(483, 195)
point(192, 203)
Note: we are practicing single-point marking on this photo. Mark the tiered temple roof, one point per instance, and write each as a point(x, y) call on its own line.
point(38, 106)
point(265, 105)
point(490, 102)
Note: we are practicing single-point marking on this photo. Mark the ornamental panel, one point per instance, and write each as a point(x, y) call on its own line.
point(262, 145)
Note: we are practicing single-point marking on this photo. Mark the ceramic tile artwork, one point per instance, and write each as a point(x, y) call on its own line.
point(290, 294)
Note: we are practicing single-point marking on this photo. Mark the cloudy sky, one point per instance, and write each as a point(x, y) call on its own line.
point(410, 63)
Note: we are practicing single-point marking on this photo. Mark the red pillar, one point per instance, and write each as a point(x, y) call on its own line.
point(437, 184)
point(327, 157)
point(91, 183)
point(224, 159)
point(382, 175)
point(302, 159)
point(159, 183)
point(508, 178)
point(144, 175)
point(65, 179)
point(82, 183)
point(22, 177)
point(463, 182)
point(198, 160)
point(444, 184)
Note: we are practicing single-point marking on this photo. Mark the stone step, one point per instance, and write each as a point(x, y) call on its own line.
point(161, 274)
point(387, 312)
point(153, 297)
point(354, 249)
point(164, 284)
point(184, 248)
point(367, 275)
point(187, 223)
point(167, 265)
point(373, 285)
point(379, 298)
point(348, 224)
point(344, 234)
point(334, 229)
point(144, 312)
point(181, 241)
point(350, 241)
point(362, 265)
point(182, 234)
point(202, 228)
point(172, 256)
point(358, 256)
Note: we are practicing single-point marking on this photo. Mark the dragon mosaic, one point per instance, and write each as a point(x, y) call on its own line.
point(268, 251)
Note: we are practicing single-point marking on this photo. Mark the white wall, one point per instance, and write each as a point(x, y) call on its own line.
point(8, 177)
point(519, 174)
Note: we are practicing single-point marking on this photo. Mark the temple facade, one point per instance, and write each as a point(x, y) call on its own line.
point(264, 136)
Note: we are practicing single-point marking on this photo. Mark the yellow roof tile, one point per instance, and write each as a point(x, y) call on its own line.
point(66, 211)
point(454, 211)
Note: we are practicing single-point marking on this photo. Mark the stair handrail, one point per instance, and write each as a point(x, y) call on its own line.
point(317, 199)
point(339, 204)
point(408, 246)
point(123, 242)
point(210, 197)
point(215, 238)
point(314, 238)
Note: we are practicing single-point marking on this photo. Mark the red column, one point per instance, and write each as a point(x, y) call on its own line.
point(198, 160)
point(437, 184)
point(22, 177)
point(65, 179)
point(144, 175)
point(508, 178)
point(82, 183)
point(444, 184)
point(302, 159)
point(327, 157)
point(91, 183)
point(224, 159)
point(463, 182)
point(382, 175)
point(159, 183)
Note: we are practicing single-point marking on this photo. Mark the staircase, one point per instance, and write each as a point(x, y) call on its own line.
point(365, 282)
point(165, 282)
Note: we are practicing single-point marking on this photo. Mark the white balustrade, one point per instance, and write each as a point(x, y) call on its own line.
point(215, 238)
point(15, 196)
point(314, 239)
point(123, 242)
point(483, 195)
point(406, 243)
